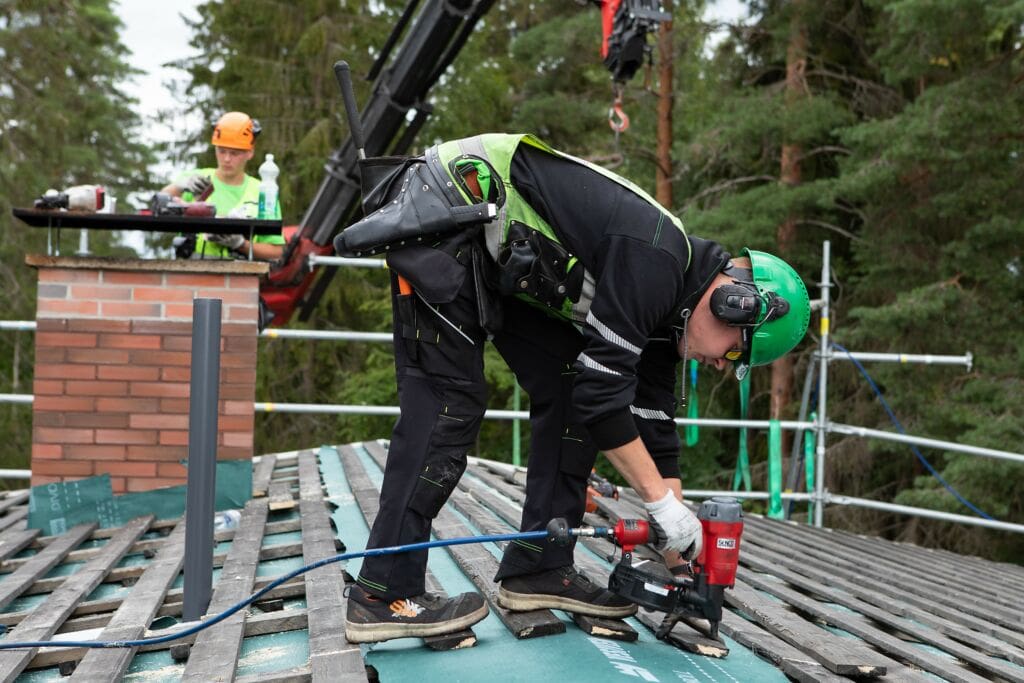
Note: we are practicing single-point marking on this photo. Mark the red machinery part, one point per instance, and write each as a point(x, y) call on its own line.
point(722, 523)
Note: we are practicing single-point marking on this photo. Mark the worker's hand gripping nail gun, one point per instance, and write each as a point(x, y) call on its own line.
point(699, 595)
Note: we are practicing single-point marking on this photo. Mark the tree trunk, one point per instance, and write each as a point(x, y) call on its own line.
point(663, 173)
point(796, 88)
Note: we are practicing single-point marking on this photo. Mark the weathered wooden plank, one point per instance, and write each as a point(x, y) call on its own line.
point(14, 517)
point(14, 498)
point(480, 567)
point(839, 655)
point(368, 498)
point(685, 637)
point(793, 662)
point(14, 542)
point(882, 593)
point(45, 620)
point(281, 496)
point(216, 649)
point(256, 625)
point(20, 581)
point(261, 475)
point(921, 633)
point(301, 674)
point(948, 590)
point(135, 612)
point(331, 656)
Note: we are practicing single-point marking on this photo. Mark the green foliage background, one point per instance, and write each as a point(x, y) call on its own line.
point(908, 126)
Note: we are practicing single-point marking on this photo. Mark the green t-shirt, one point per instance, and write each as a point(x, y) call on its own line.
point(226, 198)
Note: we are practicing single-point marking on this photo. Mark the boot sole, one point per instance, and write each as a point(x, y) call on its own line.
point(524, 602)
point(376, 632)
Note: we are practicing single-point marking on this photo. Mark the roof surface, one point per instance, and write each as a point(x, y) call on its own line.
point(809, 604)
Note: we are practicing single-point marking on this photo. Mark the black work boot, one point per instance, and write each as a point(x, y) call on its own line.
point(370, 619)
point(562, 588)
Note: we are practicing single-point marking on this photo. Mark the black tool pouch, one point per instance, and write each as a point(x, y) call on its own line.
point(529, 263)
point(419, 211)
point(488, 299)
point(380, 179)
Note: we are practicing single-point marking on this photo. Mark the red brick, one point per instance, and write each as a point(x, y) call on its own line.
point(237, 408)
point(67, 339)
point(120, 277)
point(195, 280)
point(178, 311)
point(158, 421)
point(64, 371)
point(161, 358)
point(98, 356)
point(42, 403)
point(62, 468)
point(129, 341)
point(177, 343)
point(231, 453)
point(96, 388)
point(104, 452)
point(63, 275)
point(175, 374)
point(118, 485)
point(237, 360)
point(62, 436)
point(135, 484)
point(127, 469)
point(159, 389)
point(238, 439)
point(157, 453)
point(48, 418)
point(129, 372)
point(237, 312)
point(47, 451)
point(168, 469)
point(75, 307)
point(129, 310)
point(162, 327)
point(52, 325)
point(47, 387)
point(238, 376)
point(108, 326)
point(128, 405)
point(162, 294)
point(236, 330)
point(50, 354)
point(92, 292)
point(173, 438)
point(246, 344)
point(238, 392)
point(235, 423)
point(96, 420)
point(174, 405)
point(39, 481)
point(235, 296)
point(125, 436)
point(243, 281)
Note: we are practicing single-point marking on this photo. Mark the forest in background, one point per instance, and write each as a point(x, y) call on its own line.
point(892, 128)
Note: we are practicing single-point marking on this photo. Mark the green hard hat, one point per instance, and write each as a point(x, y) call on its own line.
point(775, 334)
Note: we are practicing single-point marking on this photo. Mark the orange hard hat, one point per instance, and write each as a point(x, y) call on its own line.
point(235, 130)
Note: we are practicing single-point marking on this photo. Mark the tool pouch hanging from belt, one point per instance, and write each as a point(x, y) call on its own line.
point(530, 263)
point(418, 211)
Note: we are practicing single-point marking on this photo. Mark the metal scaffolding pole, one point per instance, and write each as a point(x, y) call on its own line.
point(819, 470)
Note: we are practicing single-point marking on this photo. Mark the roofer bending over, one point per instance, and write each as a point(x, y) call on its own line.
point(592, 293)
point(235, 193)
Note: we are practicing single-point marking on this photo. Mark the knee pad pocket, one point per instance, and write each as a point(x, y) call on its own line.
point(446, 462)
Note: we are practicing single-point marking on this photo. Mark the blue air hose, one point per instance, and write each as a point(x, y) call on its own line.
point(391, 550)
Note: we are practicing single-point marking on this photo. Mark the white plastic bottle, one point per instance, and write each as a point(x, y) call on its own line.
point(268, 189)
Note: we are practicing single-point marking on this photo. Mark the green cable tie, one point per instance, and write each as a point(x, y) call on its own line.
point(743, 461)
point(692, 431)
point(775, 510)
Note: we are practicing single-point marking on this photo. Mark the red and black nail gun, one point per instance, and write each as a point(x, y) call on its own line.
point(700, 594)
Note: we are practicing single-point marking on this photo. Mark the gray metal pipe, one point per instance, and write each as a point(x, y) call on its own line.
point(967, 360)
point(315, 260)
point(867, 433)
point(819, 471)
point(17, 398)
point(922, 512)
point(327, 335)
point(204, 392)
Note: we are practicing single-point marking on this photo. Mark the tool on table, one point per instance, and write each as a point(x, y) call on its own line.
point(89, 198)
point(699, 595)
point(163, 204)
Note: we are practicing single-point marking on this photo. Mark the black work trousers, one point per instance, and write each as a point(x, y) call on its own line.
point(442, 396)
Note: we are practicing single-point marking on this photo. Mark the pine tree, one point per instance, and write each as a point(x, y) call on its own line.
point(65, 119)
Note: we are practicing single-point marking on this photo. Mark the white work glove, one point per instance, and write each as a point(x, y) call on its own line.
point(677, 528)
point(232, 242)
point(196, 184)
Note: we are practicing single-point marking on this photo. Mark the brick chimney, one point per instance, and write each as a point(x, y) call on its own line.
point(113, 355)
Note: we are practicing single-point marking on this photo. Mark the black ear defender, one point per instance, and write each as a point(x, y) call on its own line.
point(737, 304)
point(256, 128)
